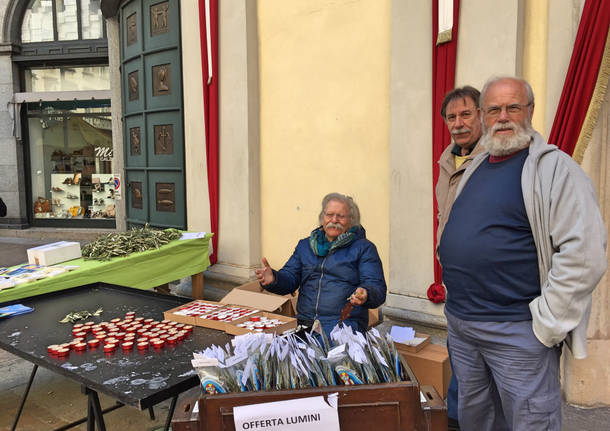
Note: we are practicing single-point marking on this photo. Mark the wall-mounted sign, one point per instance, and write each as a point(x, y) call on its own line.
point(117, 186)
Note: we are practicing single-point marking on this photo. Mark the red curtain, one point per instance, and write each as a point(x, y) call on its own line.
point(582, 74)
point(210, 107)
point(443, 76)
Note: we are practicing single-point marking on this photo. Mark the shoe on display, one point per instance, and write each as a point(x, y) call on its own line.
point(76, 179)
point(71, 196)
point(68, 180)
point(57, 189)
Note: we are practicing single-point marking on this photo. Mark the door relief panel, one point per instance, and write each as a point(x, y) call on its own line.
point(159, 18)
point(164, 139)
point(161, 80)
point(132, 29)
point(162, 23)
point(134, 141)
point(163, 74)
point(133, 83)
point(166, 197)
point(136, 194)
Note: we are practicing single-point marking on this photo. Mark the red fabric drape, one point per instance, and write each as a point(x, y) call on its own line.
point(443, 76)
point(210, 107)
point(582, 74)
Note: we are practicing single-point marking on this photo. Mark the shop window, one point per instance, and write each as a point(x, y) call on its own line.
point(70, 147)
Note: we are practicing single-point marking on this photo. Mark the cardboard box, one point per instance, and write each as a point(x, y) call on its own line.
point(50, 254)
point(262, 301)
point(261, 305)
point(373, 317)
point(287, 304)
point(416, 348)
point(288, 323)
point(430, 365)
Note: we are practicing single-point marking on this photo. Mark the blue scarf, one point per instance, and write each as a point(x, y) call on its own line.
point(321, 246)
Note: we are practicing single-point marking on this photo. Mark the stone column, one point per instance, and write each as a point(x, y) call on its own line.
point(118, 161)
point(239, 219)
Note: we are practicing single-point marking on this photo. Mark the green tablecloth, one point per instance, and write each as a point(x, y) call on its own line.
point(144, 270)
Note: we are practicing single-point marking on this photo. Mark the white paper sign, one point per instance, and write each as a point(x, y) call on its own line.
point(301, 414)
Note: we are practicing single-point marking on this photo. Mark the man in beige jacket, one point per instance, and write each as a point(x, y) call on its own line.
point(460, 110)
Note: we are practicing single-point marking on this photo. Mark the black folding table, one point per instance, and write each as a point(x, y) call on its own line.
point(137, 378)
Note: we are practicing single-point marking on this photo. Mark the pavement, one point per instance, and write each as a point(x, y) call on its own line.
point(55, 401)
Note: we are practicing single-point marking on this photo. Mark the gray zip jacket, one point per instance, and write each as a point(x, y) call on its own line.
point(570, 238)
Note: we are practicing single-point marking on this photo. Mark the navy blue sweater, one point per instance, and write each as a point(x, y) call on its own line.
point(487, 250)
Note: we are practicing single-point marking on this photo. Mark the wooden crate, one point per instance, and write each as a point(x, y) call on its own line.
point(386, 406)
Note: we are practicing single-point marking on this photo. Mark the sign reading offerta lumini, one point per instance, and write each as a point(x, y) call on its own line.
point(301, 414)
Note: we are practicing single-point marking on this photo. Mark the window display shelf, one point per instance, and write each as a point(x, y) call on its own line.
point(102, 195)
point(65, 196)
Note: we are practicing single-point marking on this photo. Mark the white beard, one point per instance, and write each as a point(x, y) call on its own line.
point(503, 146)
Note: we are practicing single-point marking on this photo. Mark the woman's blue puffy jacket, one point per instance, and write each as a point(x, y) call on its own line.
point(325, 282)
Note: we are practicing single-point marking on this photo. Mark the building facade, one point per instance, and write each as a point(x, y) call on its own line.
point(314, 97)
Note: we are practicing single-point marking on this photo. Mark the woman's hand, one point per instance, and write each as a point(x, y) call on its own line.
point(265, 274)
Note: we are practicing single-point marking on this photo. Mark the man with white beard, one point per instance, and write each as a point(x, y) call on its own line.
point(522, 251)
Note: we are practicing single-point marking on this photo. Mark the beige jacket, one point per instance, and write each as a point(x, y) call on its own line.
point(446, 186)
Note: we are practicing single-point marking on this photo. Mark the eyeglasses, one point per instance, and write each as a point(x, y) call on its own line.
point(333, 215)
point(513, 109)
point(464, 115)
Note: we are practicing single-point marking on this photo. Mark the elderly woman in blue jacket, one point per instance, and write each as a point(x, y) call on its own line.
point(334, 265)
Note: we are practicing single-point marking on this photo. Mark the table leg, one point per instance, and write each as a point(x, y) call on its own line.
point(90, 416)
point(151, 412)
point(94, 409)
point(25, 395)
point(197, 283)
point(170, 414)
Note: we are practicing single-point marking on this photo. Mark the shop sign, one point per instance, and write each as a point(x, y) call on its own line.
point(105, 154)
point(301, 414)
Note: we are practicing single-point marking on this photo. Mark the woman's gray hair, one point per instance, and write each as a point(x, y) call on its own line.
point(354, 212)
